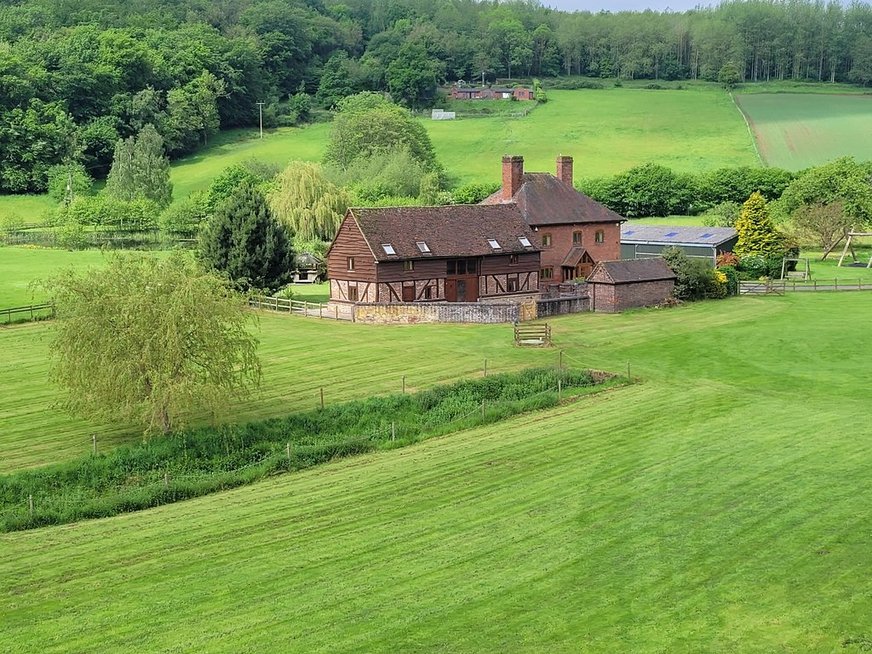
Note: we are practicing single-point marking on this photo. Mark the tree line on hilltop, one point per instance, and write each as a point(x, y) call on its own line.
point(75, 77)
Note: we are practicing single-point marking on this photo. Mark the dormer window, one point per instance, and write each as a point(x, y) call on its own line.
point(389, 249)
point(523, 240)
point(494, 244)
point(423, 247)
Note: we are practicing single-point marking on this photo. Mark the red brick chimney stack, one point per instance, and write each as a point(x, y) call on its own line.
point(564, 169)
point(513, 176)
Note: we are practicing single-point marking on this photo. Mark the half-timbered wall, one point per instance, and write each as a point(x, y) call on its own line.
point(350, 244)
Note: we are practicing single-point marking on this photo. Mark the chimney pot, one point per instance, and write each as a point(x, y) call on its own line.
point(564, 169)
point(513, 176)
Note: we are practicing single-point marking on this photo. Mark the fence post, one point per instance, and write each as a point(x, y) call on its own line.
point(322, 398)
point(288, 450)
point(559, 390)
point(30, 504)
point(482, 409)
point(94, 443)
point(166, 479)
point(629, 378)
point(404, 384)
point(393, 431)
point(485, 367)
point(560, 360)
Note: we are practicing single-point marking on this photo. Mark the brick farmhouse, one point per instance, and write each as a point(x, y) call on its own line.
point(463, 253)
point(573, 231)
point(529, 238)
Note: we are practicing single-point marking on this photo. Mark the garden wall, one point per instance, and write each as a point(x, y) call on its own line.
point(419, 312)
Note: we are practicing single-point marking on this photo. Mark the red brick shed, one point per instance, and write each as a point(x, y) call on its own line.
point(619, 285)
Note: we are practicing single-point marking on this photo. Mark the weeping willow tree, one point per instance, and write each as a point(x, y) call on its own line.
point(307, 203)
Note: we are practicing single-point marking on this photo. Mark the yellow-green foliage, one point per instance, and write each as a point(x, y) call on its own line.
point(757, 233)
point(307, 203)
point(148, 339)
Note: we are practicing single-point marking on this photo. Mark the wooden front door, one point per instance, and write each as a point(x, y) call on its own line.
point(461, 289)
point(450, 290)
point(408, 293)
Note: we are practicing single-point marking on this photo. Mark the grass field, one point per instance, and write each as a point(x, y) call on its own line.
point(20, 267)
point(795, 131)
point(720, 506)
point(607, 130)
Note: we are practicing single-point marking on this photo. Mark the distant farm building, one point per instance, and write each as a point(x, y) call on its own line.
point(619, 285)
point(439, 114)
point(490, 93)
point(645, 241)
point(308, 269)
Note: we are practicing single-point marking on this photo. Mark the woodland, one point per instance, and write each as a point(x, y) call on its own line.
point(78, 75)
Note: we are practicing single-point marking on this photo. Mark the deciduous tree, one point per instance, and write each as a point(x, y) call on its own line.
point(307, 203)
point(150, 340)
point(140, 168)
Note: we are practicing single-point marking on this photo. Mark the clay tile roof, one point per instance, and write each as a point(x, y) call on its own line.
point(450, 231)
point(631, 270)
point(545, 200)
point(575, 255)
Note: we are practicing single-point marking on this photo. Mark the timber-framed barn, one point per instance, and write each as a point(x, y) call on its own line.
point(461, 253)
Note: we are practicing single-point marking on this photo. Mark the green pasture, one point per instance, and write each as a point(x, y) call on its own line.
point(795, 131)
point(721, 505)
point(607, 131)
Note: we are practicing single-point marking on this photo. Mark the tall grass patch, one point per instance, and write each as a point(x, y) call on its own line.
point(200, 461)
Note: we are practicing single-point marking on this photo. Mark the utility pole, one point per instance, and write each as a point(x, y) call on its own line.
point(260, 111)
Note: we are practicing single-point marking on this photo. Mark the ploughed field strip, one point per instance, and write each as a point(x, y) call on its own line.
point(798, 130)
point(720, 505)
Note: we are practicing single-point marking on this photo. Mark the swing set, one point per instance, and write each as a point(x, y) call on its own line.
point(849, 246)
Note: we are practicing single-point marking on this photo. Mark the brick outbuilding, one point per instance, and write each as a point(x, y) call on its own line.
point(619, 285)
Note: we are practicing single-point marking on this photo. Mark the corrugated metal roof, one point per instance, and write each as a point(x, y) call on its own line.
point(665, 234)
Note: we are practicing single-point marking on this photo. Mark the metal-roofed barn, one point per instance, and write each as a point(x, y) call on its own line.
point(646, 241)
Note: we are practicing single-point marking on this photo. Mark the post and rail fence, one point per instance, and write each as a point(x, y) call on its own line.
point(29, 313)
point(782, 286)
point(299, 307)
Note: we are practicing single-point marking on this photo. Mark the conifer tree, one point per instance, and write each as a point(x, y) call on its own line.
point(757, 233)
point(243, 240)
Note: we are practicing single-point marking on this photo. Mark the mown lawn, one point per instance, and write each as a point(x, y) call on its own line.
point(795, 131)
point(722, 505)
point(21, 267)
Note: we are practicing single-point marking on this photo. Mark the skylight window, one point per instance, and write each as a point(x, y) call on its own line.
point(494, 244)
point(525, 241)
point(629, 232)
point(671, 234)
point(389, 249)
point(706, 235)
point(422, 245)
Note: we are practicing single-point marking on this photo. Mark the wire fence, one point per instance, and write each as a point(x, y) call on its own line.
point(158, 486)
